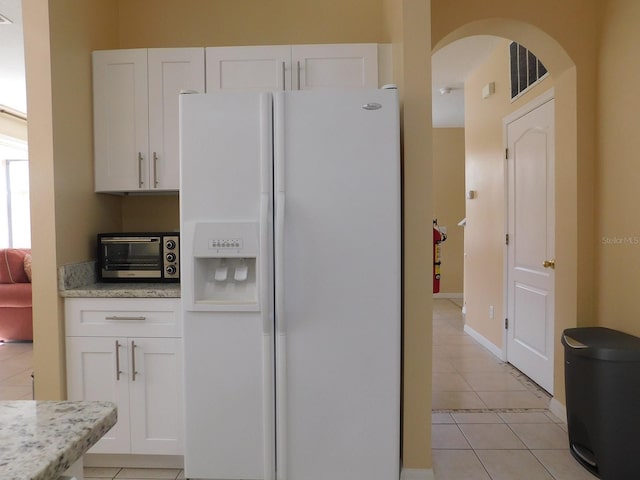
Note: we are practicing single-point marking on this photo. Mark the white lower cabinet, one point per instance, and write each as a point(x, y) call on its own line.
point(141, 374)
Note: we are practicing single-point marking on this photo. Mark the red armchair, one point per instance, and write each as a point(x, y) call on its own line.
point(15, 294)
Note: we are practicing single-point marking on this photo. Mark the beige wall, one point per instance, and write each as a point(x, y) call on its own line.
point(61, 34)
point(569, 54)
point(408, 26)
point(411, 40)
point(151, 213)
point(60, 143)
point(59, 37)
point(65, 212)
point(167, 23)
point(618, 232)
point(485, 166)
point(448, 203)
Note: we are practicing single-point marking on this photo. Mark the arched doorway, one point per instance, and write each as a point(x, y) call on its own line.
point(488, 274)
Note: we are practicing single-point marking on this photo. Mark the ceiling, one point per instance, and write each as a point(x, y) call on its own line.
point(13, 92)
point(450, 67)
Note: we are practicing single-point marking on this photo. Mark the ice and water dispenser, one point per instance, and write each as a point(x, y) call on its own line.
point(225, 262)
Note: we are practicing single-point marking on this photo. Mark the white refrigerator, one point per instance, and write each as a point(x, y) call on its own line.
point(290, 284)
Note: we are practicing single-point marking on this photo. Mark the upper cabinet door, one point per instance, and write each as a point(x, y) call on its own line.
point(262, 68)
point(120, 123)
point(171, 70)
point(335, 66)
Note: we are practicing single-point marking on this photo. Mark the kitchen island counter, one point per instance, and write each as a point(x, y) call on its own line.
point(40, 440)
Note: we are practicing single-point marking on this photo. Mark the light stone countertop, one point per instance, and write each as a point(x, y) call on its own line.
point(80, 281)
point(41, 440)
point(124, 290)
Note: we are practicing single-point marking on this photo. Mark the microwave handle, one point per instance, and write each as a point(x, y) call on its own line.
point(130, 239)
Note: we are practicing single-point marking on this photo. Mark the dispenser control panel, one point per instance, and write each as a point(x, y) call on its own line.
point(226, 265)
point(219, 243)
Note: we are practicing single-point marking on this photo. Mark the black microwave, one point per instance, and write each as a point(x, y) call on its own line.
point(139, 257)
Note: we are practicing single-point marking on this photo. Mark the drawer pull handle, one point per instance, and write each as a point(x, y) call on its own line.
point(118, 371)
point(155, 170)
point(140, 160)
point(133, 361)
point(125, 318)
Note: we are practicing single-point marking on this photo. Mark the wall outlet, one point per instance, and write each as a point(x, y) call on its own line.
point(491, 312)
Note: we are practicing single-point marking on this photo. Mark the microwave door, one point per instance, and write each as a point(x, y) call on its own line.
point(132, 257)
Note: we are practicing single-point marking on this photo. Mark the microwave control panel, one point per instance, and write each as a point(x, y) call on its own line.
point(171, 256)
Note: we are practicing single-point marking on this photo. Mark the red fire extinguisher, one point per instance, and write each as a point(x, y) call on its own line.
point(438, 238)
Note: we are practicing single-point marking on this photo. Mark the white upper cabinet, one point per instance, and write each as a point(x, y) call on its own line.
point(136, 115)
point(335, 66)
point(120, 118)
point(249, 68)
point(135, 98)
point(297, 67)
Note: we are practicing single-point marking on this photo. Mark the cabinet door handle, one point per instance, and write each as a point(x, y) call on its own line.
point(298, 64)
point(118, 371)
point(155, 170)
point(133, 361)
point(140, 160)
point(284, 76)
point(124, 318)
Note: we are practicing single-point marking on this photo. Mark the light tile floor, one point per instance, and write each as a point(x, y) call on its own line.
point(101, 473)
point(15, 371)
point(490, 422)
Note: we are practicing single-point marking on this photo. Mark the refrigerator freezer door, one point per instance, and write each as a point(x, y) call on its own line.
point(338, 296)
point(226, 168)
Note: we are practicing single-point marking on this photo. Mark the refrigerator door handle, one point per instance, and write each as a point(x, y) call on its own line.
point(267, 327)
point(284, 76)
point(279, 198)
point(266, 185)
point(279, 263)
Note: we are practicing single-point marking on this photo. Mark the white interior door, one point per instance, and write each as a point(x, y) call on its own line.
point(531, 249)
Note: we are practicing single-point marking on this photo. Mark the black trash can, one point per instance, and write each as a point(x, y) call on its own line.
point(602, 379)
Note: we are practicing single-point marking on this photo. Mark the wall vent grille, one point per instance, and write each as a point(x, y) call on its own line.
point(526, 69)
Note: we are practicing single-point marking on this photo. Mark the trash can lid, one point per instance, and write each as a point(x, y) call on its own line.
point(602, 343)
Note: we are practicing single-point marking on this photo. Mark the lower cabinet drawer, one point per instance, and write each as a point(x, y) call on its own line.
point(129, 351)
point(90, 317)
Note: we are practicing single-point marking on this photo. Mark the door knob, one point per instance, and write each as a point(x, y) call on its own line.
point(549, 263)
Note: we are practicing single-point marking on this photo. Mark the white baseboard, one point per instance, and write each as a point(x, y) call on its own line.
point(133, 461)
point(416, 474)
point(485, 343)
point(447, 295)
point(558, 409)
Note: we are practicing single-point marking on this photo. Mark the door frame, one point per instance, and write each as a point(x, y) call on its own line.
point(513, 116)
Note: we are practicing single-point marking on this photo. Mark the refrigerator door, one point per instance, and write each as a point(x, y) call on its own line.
point(225, 209)
point(337, 244)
